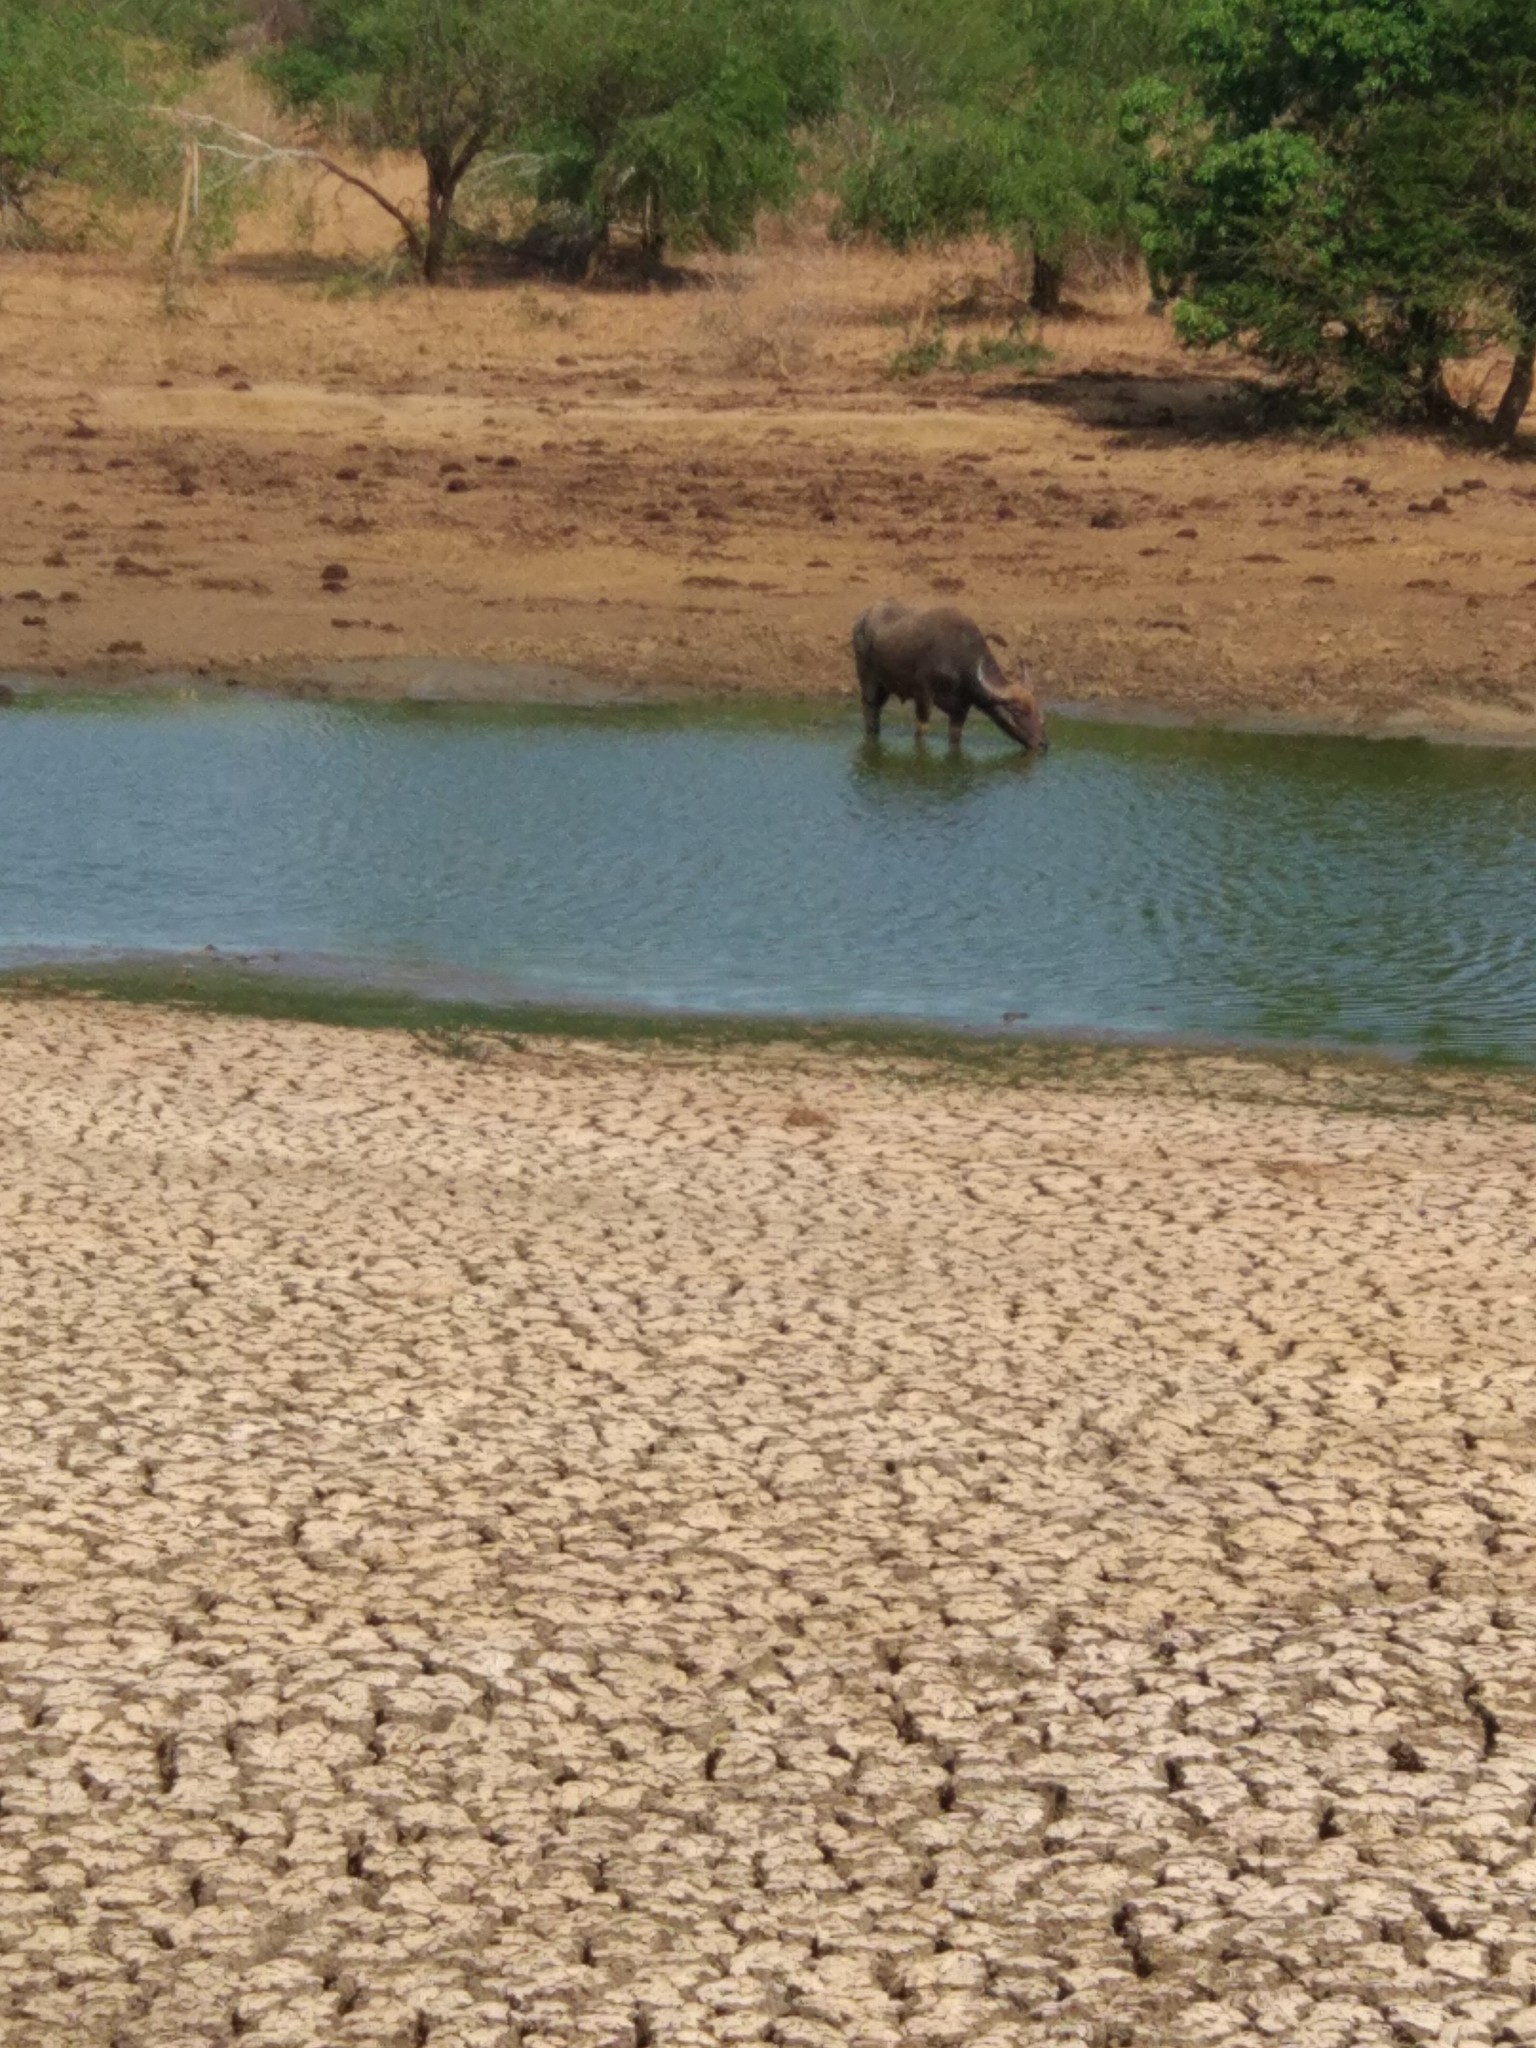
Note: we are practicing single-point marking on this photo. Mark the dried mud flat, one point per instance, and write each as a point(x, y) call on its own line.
point(618, 1547)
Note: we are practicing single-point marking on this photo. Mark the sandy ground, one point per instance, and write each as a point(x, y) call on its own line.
point(612, 1547)
point(702, 488)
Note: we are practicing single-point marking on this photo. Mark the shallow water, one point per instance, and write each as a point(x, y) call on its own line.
point(1138, 880)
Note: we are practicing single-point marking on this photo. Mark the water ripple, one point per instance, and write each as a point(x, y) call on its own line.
point(1139, 881)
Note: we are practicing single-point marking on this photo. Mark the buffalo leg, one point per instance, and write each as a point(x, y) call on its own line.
point(872, 692)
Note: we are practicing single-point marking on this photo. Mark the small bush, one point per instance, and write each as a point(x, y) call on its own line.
point(927, 348)
point(1014, 350)
point(920, 353)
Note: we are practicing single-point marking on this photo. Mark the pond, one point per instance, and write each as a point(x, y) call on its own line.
point(1138, 880)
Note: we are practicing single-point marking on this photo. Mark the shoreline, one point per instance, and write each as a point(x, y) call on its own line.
point(450, 681)
point(283, 989)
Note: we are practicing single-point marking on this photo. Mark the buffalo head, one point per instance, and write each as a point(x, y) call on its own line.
point(1017, 710)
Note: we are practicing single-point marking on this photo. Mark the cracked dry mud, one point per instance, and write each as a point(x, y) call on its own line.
point(610, 1547)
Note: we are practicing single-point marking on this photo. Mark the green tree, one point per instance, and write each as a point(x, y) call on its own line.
point(198, 30)
point(447, 79)
point(677, 118)
point(1348, 191)
point(77, 82)
point(674, 116)
point(999, 116)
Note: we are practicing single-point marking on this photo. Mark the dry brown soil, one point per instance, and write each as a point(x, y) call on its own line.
point(609, 1547)
point(702, 488)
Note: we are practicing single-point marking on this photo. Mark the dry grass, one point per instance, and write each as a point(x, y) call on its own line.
point(765, 316)
point(786, 308)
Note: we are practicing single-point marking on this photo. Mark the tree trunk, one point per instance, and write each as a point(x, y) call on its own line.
point(442, 185)
point(1440, 407)
point(1505, 423)
point(1045, 284)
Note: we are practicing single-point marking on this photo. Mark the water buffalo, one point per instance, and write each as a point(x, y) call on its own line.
point(940, 658)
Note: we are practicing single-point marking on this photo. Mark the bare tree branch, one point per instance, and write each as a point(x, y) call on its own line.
point(256, 151)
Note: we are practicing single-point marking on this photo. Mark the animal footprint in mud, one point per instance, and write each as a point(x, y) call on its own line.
point(335, 575)
point(125, 647)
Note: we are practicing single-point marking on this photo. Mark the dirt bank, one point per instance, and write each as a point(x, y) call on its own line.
point(598, 1546)
point(700, 489)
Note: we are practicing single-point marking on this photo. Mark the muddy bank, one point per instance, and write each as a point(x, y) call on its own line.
point(405, 679)
point(291, 489)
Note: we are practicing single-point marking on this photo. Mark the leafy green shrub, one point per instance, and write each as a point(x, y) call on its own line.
point(1348, 191)
point(1015, 350)
point(920, 353)
point(928, 349)
point(676, 119)
point(993, 118)
point(76, 86)
point(448, 79)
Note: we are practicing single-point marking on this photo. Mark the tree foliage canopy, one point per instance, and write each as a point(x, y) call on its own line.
point(678, 117)
point(1350, 192)
point(447, 79)
point(76, 82)
point(675, 116)
point(999, 115)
